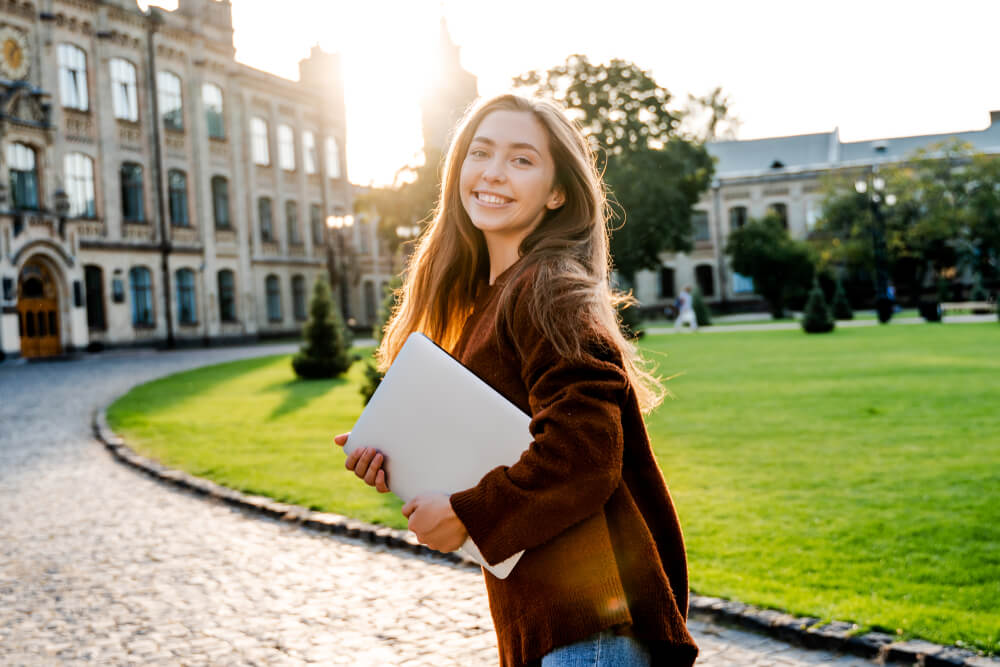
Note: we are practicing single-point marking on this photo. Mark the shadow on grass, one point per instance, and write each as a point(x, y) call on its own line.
point(299, 393)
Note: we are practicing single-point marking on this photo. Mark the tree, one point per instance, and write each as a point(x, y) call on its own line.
point(777, 264)
point(710, 117)
point(653, 172)
point(817, 317)
point(841, 305)
point(373, 378)
point(326, 348)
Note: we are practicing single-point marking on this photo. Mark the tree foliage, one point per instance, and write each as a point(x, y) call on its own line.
point(778, 264)
point(817, 317)
point(653, 172)
point(326, 348)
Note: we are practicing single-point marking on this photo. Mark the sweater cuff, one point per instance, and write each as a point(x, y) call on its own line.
point(463, 504)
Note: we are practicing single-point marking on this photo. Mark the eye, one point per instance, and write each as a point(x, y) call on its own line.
point(477, 153)
point(523, 161)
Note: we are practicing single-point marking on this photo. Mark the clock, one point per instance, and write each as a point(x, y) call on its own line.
point(13, 53)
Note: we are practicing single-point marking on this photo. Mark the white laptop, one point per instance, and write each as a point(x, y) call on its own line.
point(440, 429)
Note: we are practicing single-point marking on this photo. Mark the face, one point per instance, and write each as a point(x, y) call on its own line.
point(507, 176)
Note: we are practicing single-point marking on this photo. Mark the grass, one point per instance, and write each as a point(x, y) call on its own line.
point(852, 476)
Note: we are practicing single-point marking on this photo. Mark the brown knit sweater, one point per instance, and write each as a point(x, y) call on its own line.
point(587, 500)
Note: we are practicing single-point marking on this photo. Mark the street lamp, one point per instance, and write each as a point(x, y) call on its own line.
point(873, 186)
point(338, 222)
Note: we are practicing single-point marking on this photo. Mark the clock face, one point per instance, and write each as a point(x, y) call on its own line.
point(13, 53)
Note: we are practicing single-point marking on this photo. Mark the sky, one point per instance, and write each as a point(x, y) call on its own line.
point(873, 68)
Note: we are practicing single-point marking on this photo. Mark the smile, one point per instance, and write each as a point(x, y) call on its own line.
point(490, 199)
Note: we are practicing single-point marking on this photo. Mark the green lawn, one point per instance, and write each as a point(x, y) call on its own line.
point(852, 476)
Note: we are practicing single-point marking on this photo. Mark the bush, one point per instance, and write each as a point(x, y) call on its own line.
point(701, 313)
point(325, 351)
point(930, 311)
point(817, 317)
point(884, 307)
point(978, 293)
point(841, 306)
point(373, 378)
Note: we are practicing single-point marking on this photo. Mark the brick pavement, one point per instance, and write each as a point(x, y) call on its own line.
point(101, 564)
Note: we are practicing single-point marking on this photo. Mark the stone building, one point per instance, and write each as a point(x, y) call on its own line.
point(151, 187)
point(782, 175)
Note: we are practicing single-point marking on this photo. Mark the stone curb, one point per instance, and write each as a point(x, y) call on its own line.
point(805, 631)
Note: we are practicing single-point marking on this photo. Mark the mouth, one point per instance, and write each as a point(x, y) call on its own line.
point(490, 199)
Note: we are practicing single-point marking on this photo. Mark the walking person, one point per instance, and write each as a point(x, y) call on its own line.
point(685, 310)
point(512, 278)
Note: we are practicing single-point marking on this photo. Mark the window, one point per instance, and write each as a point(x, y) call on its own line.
point(667, 283)
point(79, 174)
point(23, 176)
point(258, 141)
point(227, 296)
point(742, 284)
point(264, 215)
point(737, 217)
point(211, 97)
point(142, 296)
point(316, 223)
point(309, 152)
point(332, 158)
point(177, 194)
point(220, 202)
point(186, 304)
point(699, 223)
point(292, 222)
point(299, 298)
point(123, 90)
point(286, 148)
point(73, 77)
point(93, 279)
point(131, 178)
point(273, 289)
point(780, 210)
point(706, 282)
point(168, 87)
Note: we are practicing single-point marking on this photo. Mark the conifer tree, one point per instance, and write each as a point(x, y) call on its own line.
point(817, 317)
point(326, 348)
point(841, 306)
point(701, 313)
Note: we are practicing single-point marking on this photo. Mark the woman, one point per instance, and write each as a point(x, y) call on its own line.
point(511, 277)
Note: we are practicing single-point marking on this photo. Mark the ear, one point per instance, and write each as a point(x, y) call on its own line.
point(556, 199)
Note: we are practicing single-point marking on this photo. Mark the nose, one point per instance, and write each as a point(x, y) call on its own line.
point(494, 172)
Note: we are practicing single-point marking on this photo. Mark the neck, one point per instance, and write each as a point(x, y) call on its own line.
point(503, 254)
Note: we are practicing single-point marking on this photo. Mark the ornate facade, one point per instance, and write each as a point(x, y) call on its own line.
point(152, 188)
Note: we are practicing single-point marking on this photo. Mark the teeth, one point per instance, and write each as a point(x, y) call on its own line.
point(490, 199)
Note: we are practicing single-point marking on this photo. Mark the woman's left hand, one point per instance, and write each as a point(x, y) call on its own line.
point(434, 522)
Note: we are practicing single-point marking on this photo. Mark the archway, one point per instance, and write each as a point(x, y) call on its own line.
point(38, 310)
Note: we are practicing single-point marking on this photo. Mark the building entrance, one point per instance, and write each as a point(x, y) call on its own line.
point(38, 311)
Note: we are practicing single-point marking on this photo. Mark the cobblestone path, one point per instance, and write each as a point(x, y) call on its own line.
point(100, 564)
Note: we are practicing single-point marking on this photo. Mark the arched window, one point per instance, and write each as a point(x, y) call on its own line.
point(332, 158)
point(292, 223)
point(737, 217)
point(177, 187)
point(265, 217)
point(316, 223)
point(124, 99)
point(309, 152)
point(286, 148)
point(93, 278)
point(258, 141)
point(168, 86)
point(299, 297)
point(79, 176)
point(141, 285)
point(227, 296)
point(186, 303)
point(779, 209)
point(706, 282)
point(211, 98)
point(23, 176)
point(220, 202)
point(73, 77)
point(273, 288)
point(131, 183)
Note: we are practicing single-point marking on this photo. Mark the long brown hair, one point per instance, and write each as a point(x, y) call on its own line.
point(569, 247)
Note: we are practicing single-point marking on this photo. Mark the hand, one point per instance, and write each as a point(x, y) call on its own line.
point(435, 523)
point(366, 463)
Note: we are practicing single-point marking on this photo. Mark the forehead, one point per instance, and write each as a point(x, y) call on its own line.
point(513, 127)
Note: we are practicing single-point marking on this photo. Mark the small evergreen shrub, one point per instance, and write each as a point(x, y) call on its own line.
point(930, 311)
point(841, 306)
point(701, 313)
point(817, 317)
point(326, 348)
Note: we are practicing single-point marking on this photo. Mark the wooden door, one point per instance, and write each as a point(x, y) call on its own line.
point(38, 312)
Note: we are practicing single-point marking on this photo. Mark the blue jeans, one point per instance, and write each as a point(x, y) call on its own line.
point(604, 649)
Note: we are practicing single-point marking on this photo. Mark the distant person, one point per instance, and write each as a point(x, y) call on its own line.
point(685, 310)
point(511, 278)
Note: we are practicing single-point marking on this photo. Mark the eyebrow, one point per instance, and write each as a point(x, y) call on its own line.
point(518, 144)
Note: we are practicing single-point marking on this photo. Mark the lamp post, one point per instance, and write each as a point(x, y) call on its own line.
point(873, 186)
point(338, 223)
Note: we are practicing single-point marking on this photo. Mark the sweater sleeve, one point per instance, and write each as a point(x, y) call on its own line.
point(574, 462)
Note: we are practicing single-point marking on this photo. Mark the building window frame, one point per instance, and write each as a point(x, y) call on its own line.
point(316, 224)
point(265, 218)
point(738, 217)
point(259, 149)
point(299, 310)
point(78, 172)
point(226, 280)
point(140, 280)
point(170, 100)
point(293, 235)
point(133, 209)
point(73, 89)
point(333, 166)
point(187, 298)
point(220, 203)
point(214, 107)
point(124, 90)
point(286, 147)
point(177, 198)
point(22, 174)
point(308, 152)
point(272, 290)
point(93, 281)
